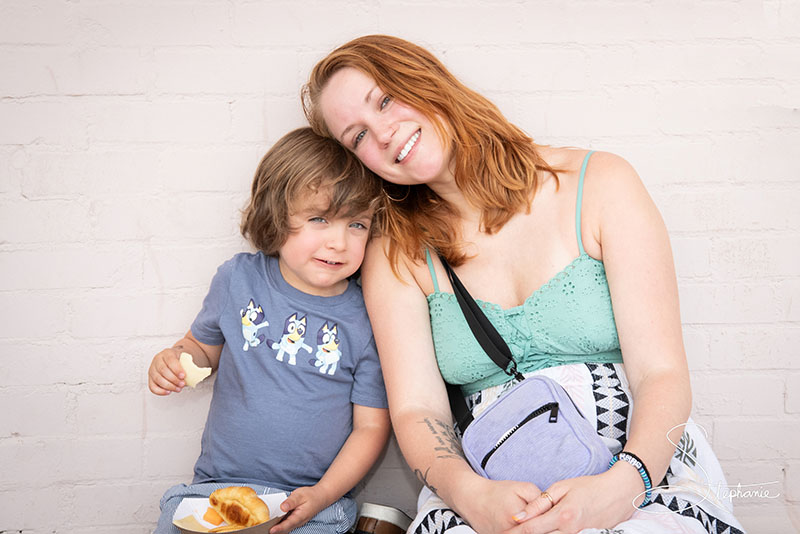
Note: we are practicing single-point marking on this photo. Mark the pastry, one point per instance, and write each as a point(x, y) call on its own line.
point(239, 505)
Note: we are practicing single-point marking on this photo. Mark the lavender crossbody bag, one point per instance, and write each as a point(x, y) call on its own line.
point(534, 432)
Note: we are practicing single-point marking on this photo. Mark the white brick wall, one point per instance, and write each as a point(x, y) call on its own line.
point(130, 130)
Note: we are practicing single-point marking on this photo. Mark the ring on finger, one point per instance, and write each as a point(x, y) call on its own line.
point(548, 497)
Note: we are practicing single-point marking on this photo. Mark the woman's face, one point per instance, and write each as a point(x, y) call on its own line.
point(395, 141)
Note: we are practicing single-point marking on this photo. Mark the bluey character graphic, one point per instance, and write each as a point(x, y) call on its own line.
point(328, 353)
point(252, 321)
point(294, 332)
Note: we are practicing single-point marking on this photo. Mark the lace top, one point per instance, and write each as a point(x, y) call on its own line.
point(567, 320)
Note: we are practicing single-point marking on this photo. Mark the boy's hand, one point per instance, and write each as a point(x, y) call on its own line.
point(166, 373)
point(303, 504)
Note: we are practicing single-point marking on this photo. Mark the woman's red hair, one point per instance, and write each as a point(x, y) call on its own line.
point(496, 165)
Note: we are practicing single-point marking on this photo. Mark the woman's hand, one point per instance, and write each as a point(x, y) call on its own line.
point(489, 506)
point(599, 501)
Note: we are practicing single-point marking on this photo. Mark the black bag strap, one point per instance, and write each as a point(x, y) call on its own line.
point(458, 406)
point(485, 333)
point(488, 338)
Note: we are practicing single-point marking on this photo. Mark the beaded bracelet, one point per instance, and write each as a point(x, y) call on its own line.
point(636, 462)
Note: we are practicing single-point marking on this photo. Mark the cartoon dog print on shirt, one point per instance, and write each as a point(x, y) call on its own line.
point(294, 332)
point(328, 353)
point(252, 321)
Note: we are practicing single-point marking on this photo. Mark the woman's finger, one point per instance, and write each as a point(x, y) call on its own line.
point(543, 515)
point(547, 522)
point(537, 506)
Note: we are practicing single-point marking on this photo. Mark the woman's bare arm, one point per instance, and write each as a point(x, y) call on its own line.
point(418, 403)
point(623, 227)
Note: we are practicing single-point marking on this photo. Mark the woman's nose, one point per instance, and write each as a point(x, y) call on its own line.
point(385, 131)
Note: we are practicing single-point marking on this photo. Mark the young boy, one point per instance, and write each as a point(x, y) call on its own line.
point(299, 403)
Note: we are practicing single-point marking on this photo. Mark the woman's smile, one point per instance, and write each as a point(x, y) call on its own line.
point(408, 146)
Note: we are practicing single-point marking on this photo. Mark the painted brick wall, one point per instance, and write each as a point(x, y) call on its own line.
point(129, 132)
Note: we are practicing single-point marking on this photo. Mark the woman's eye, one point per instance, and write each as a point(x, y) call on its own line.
point(385, 101)
point(359, 137)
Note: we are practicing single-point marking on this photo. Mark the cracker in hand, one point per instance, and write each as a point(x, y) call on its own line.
point(194, 374)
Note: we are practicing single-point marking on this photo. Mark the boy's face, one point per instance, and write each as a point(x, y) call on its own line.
point(322, 251)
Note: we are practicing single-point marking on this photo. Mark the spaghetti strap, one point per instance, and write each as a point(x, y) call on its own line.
point(579, 203)
point(432, 270)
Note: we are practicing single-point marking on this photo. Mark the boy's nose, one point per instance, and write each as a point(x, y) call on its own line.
point(336, 238)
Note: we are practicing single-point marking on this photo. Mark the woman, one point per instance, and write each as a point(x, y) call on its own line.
point(509, 215)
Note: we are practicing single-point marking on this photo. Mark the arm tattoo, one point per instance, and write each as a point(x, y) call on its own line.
point(423, 477)
point(449, 444)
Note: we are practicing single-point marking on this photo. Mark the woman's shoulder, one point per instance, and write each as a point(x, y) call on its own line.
point(601, 165)
point(382, 270)
point(607, 179)
point(611, 182)
point(612, 191)
point(611, 167)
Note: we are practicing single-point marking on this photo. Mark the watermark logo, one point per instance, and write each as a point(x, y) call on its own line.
point(746, 491)
point(692, 478)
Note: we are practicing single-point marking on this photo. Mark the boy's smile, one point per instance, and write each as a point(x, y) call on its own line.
point(322, 250)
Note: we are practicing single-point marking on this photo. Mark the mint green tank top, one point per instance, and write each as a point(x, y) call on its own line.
point(567, 320)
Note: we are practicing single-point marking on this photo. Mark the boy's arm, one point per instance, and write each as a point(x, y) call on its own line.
point(166, 374)
point(371, 429)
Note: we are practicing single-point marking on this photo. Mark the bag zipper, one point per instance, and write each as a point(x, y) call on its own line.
point(552, 407)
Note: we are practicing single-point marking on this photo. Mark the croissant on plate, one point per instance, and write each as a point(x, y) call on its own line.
point(239, 505)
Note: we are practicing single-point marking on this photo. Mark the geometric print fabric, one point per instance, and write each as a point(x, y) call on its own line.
point(438, 521)
point(611, 401)
point(685, 508)
point(612, 406)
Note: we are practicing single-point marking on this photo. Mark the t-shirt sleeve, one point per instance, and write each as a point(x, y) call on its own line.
point(368, 387)
point(206, 326)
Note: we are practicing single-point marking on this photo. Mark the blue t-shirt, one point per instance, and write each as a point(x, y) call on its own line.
point(292, 365)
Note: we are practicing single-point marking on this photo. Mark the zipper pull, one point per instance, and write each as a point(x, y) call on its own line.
point(554, 412)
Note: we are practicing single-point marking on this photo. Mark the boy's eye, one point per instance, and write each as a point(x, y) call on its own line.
point(317, 219)
point(359, 137)
point(385, 101)
point(358, 225)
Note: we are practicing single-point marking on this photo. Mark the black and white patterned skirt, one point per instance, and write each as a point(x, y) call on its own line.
point(693, 498)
